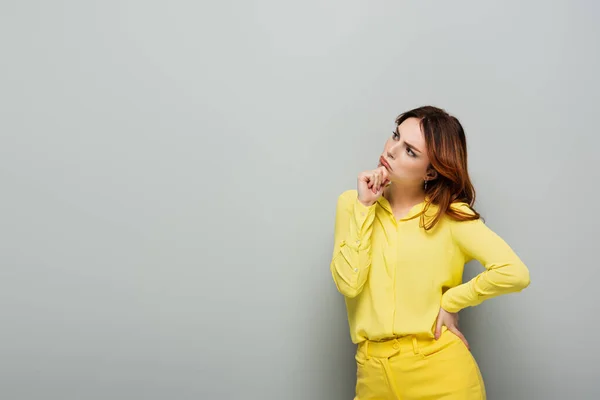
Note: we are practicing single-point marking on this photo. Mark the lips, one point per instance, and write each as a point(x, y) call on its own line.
point(384, 162)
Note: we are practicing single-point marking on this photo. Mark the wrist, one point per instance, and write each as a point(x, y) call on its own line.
point(366, 203)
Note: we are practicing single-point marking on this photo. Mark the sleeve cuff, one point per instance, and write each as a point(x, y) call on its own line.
point(459, 297)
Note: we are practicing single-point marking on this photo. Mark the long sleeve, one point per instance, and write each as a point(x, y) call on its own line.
point(504, 271)
point(352, 244)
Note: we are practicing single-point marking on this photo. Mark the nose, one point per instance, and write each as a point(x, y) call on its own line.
point(391, 151)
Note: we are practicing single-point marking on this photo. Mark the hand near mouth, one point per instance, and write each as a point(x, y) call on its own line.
point(370, 185)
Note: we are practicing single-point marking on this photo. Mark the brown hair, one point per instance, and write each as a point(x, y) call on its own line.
point(447, 152)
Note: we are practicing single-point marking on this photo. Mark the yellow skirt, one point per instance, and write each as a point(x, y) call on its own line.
point(411, 368)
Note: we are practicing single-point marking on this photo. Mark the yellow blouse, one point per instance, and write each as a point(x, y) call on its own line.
point(395, 276)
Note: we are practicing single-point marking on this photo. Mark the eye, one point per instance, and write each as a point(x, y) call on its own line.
point(410, 152)
point(395, 135)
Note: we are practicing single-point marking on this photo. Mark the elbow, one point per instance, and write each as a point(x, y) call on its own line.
point(349, 289)
point(350, 292)
point(521, 278)
point(525, 280)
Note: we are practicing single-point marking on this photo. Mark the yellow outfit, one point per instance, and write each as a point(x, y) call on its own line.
point(395, 276)
point(411, 368)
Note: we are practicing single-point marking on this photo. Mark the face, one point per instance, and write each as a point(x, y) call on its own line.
point(406, 153)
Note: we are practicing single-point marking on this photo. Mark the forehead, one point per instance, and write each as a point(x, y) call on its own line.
point(410, 130)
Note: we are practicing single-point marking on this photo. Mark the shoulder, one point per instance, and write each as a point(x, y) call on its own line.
point(464, 220)
point(461, 207)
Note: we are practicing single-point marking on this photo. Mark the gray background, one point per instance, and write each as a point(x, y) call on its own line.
point(170, 170)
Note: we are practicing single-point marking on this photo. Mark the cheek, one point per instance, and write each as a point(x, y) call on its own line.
point(411, 167)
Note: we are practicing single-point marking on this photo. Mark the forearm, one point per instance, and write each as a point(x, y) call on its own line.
point(504, 271)
point(351, 260)
point(496, 281)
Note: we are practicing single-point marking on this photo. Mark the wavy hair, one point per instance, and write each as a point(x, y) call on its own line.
point(447, 152)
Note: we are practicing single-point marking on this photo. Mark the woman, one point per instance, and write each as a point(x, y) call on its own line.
point(401, 242)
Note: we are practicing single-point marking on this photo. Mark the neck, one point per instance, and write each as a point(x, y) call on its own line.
point(402, 196)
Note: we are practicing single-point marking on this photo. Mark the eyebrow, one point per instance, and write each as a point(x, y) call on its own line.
point(408, 144)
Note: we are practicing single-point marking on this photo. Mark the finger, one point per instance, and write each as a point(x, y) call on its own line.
point(438, 327)
point(375, 180)
point(458, 333)
point(384, 178)
point(369, 180)
point(364, 177)
point(385, 174)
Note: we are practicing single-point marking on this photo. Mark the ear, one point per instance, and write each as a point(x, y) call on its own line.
point(431, 174)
